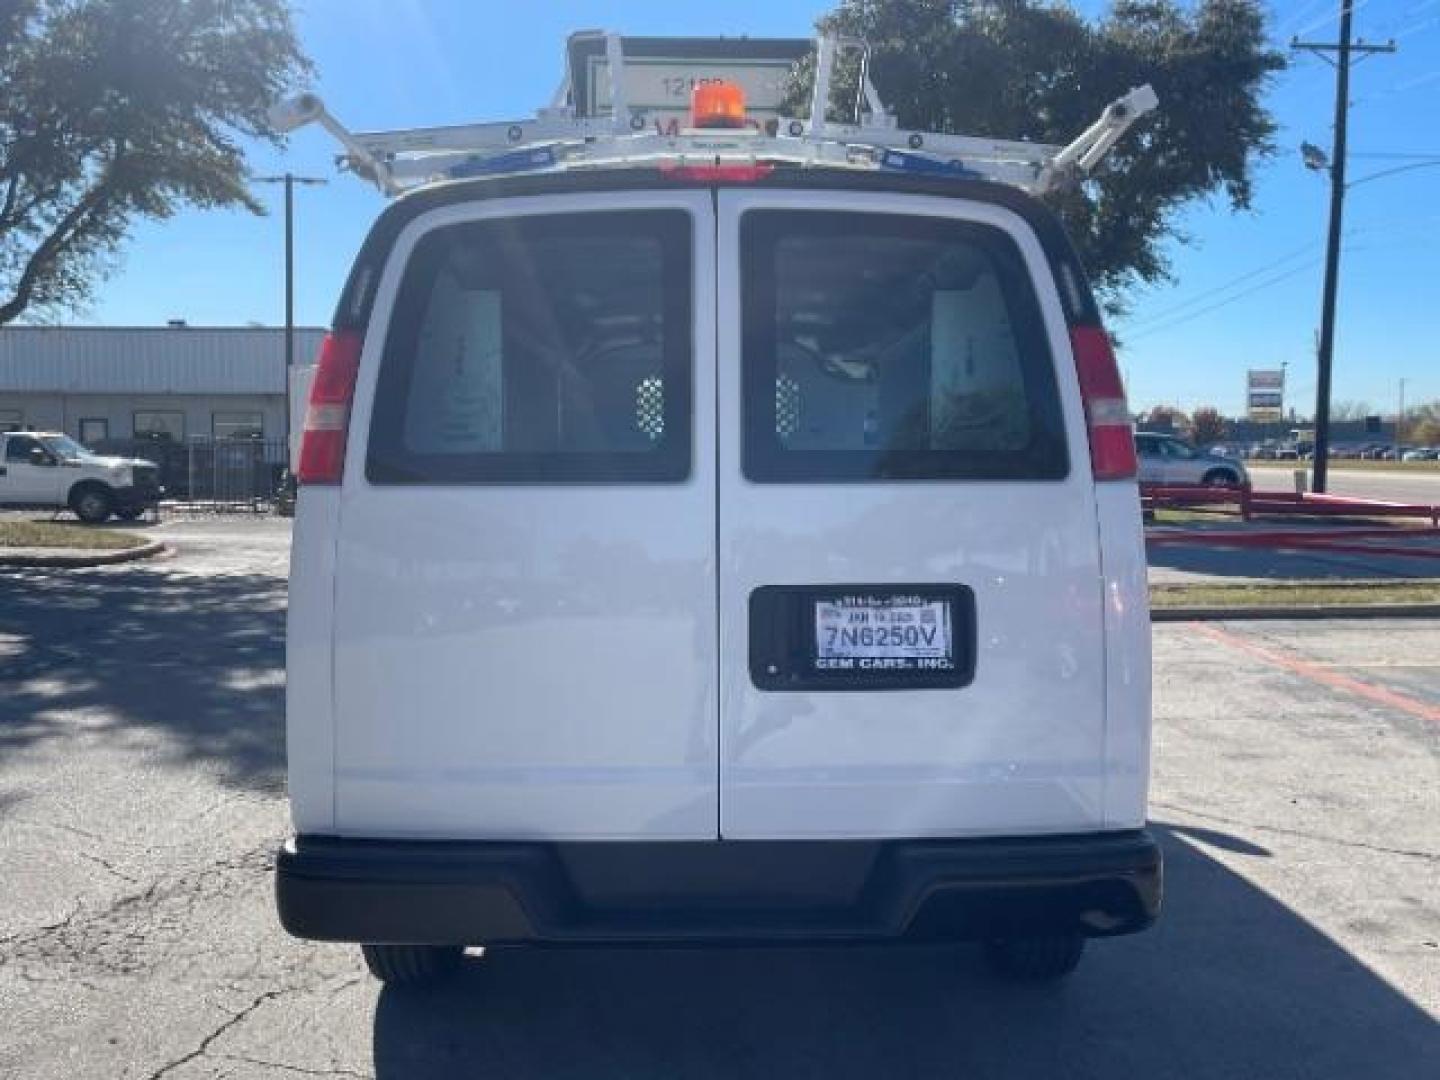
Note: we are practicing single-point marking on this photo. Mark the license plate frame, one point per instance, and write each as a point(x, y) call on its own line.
point(788, 650)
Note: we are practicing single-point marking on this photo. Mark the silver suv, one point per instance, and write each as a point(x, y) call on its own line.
point(1165, 459)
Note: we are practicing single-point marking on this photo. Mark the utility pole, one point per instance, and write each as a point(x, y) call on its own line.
point(1344, 50)
point(289, 180)
point(1400, 420)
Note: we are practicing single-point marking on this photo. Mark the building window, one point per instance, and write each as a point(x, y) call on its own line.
point(238, 425)
point(94, 430)
point(12, 420)
point(166, 426)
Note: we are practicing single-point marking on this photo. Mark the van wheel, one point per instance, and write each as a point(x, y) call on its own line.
point(91, 503)
point(411, 965)
point(1035, 959)
point(1220, 478)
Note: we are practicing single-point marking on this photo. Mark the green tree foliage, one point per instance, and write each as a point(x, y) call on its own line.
point(118, 110)
point(1164, 418)
point(1019, 69)
point(1423, 424)
point(1207, 426)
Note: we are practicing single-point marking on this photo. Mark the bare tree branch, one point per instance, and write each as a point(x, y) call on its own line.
point(42, 259)
point(182, 87)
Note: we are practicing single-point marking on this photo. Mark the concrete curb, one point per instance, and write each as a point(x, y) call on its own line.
point(1303, 611)
point(102, 558)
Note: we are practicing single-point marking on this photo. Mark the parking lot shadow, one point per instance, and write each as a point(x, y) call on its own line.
point(1286, 564)
point(197, 659)
point(1231, 984)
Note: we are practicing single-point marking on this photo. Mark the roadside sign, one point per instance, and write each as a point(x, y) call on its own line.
point(1265, 395)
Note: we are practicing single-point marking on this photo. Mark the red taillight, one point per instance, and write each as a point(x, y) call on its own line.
point(731, 174)
point(1112, 441)
point(327, 420)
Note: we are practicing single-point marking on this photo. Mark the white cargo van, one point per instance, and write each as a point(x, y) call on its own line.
point(726, 551)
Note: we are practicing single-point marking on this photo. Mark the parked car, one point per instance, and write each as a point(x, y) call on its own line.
point(1165, 459)
point(48, 470)
point(647, 575)
point(1421, 453)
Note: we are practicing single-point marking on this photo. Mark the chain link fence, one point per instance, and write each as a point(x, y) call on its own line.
point(214, 475)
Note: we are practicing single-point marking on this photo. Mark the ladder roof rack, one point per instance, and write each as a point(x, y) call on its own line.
point(558, 138)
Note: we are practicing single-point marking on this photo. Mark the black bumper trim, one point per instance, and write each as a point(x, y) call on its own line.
point(136, 498)
point(481, 892)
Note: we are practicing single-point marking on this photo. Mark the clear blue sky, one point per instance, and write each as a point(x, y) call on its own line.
point(396, 63)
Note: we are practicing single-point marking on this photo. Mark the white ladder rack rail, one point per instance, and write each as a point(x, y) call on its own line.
point(555, 138)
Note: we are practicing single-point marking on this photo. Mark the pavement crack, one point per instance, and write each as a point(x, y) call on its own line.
point(301, 1070)
point(130, 932)
point(106, 865)
point(72, 829)
point(1301, 833)
point(209, 1040)
point(40, 931)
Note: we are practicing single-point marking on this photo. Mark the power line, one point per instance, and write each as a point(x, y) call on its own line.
point(1411, 31)
point(1149, 331)
point(1398, 155)
point(1387, 26)
point(1398, 88)
point(1408, 221)
point(1225, 286)
point(1295, 18)
point(1328, 19)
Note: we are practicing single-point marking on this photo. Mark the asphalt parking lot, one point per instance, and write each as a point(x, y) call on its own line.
point(1297, 794)
point(1393, 484)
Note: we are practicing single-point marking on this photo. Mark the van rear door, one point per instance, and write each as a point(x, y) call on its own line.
point(525, 583)
point(911, 629)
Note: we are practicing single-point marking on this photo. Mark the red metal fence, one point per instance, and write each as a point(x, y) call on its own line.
point(1247, 503)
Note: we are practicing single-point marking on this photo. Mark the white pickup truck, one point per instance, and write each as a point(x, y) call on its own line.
point(47, 470)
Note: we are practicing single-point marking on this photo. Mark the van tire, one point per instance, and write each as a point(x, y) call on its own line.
point(411, 965)
point(1034, 959)
point(91, 502)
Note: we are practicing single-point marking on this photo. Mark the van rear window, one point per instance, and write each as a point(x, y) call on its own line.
point(881, 346)
point(545, 349)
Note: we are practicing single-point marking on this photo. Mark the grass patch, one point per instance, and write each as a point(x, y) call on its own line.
point(1295, 594)
point(1223, 513)
point(57, 534)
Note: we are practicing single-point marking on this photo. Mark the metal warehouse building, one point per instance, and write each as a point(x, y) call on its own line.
point(173, 383)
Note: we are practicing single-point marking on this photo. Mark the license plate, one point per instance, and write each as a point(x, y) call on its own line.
point(888, 633)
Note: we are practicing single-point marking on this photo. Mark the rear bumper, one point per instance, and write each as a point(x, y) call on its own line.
point(472, 893)
point(139, 497)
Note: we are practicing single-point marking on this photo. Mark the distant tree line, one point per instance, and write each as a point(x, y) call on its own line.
point(1206, 426)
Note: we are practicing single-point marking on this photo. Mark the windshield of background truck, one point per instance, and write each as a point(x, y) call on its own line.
point(66, 448)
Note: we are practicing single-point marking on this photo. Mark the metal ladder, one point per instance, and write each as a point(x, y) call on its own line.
point(556, 138)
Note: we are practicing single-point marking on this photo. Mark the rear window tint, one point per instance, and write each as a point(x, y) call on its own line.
point(882, 346)
point(546, 349)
